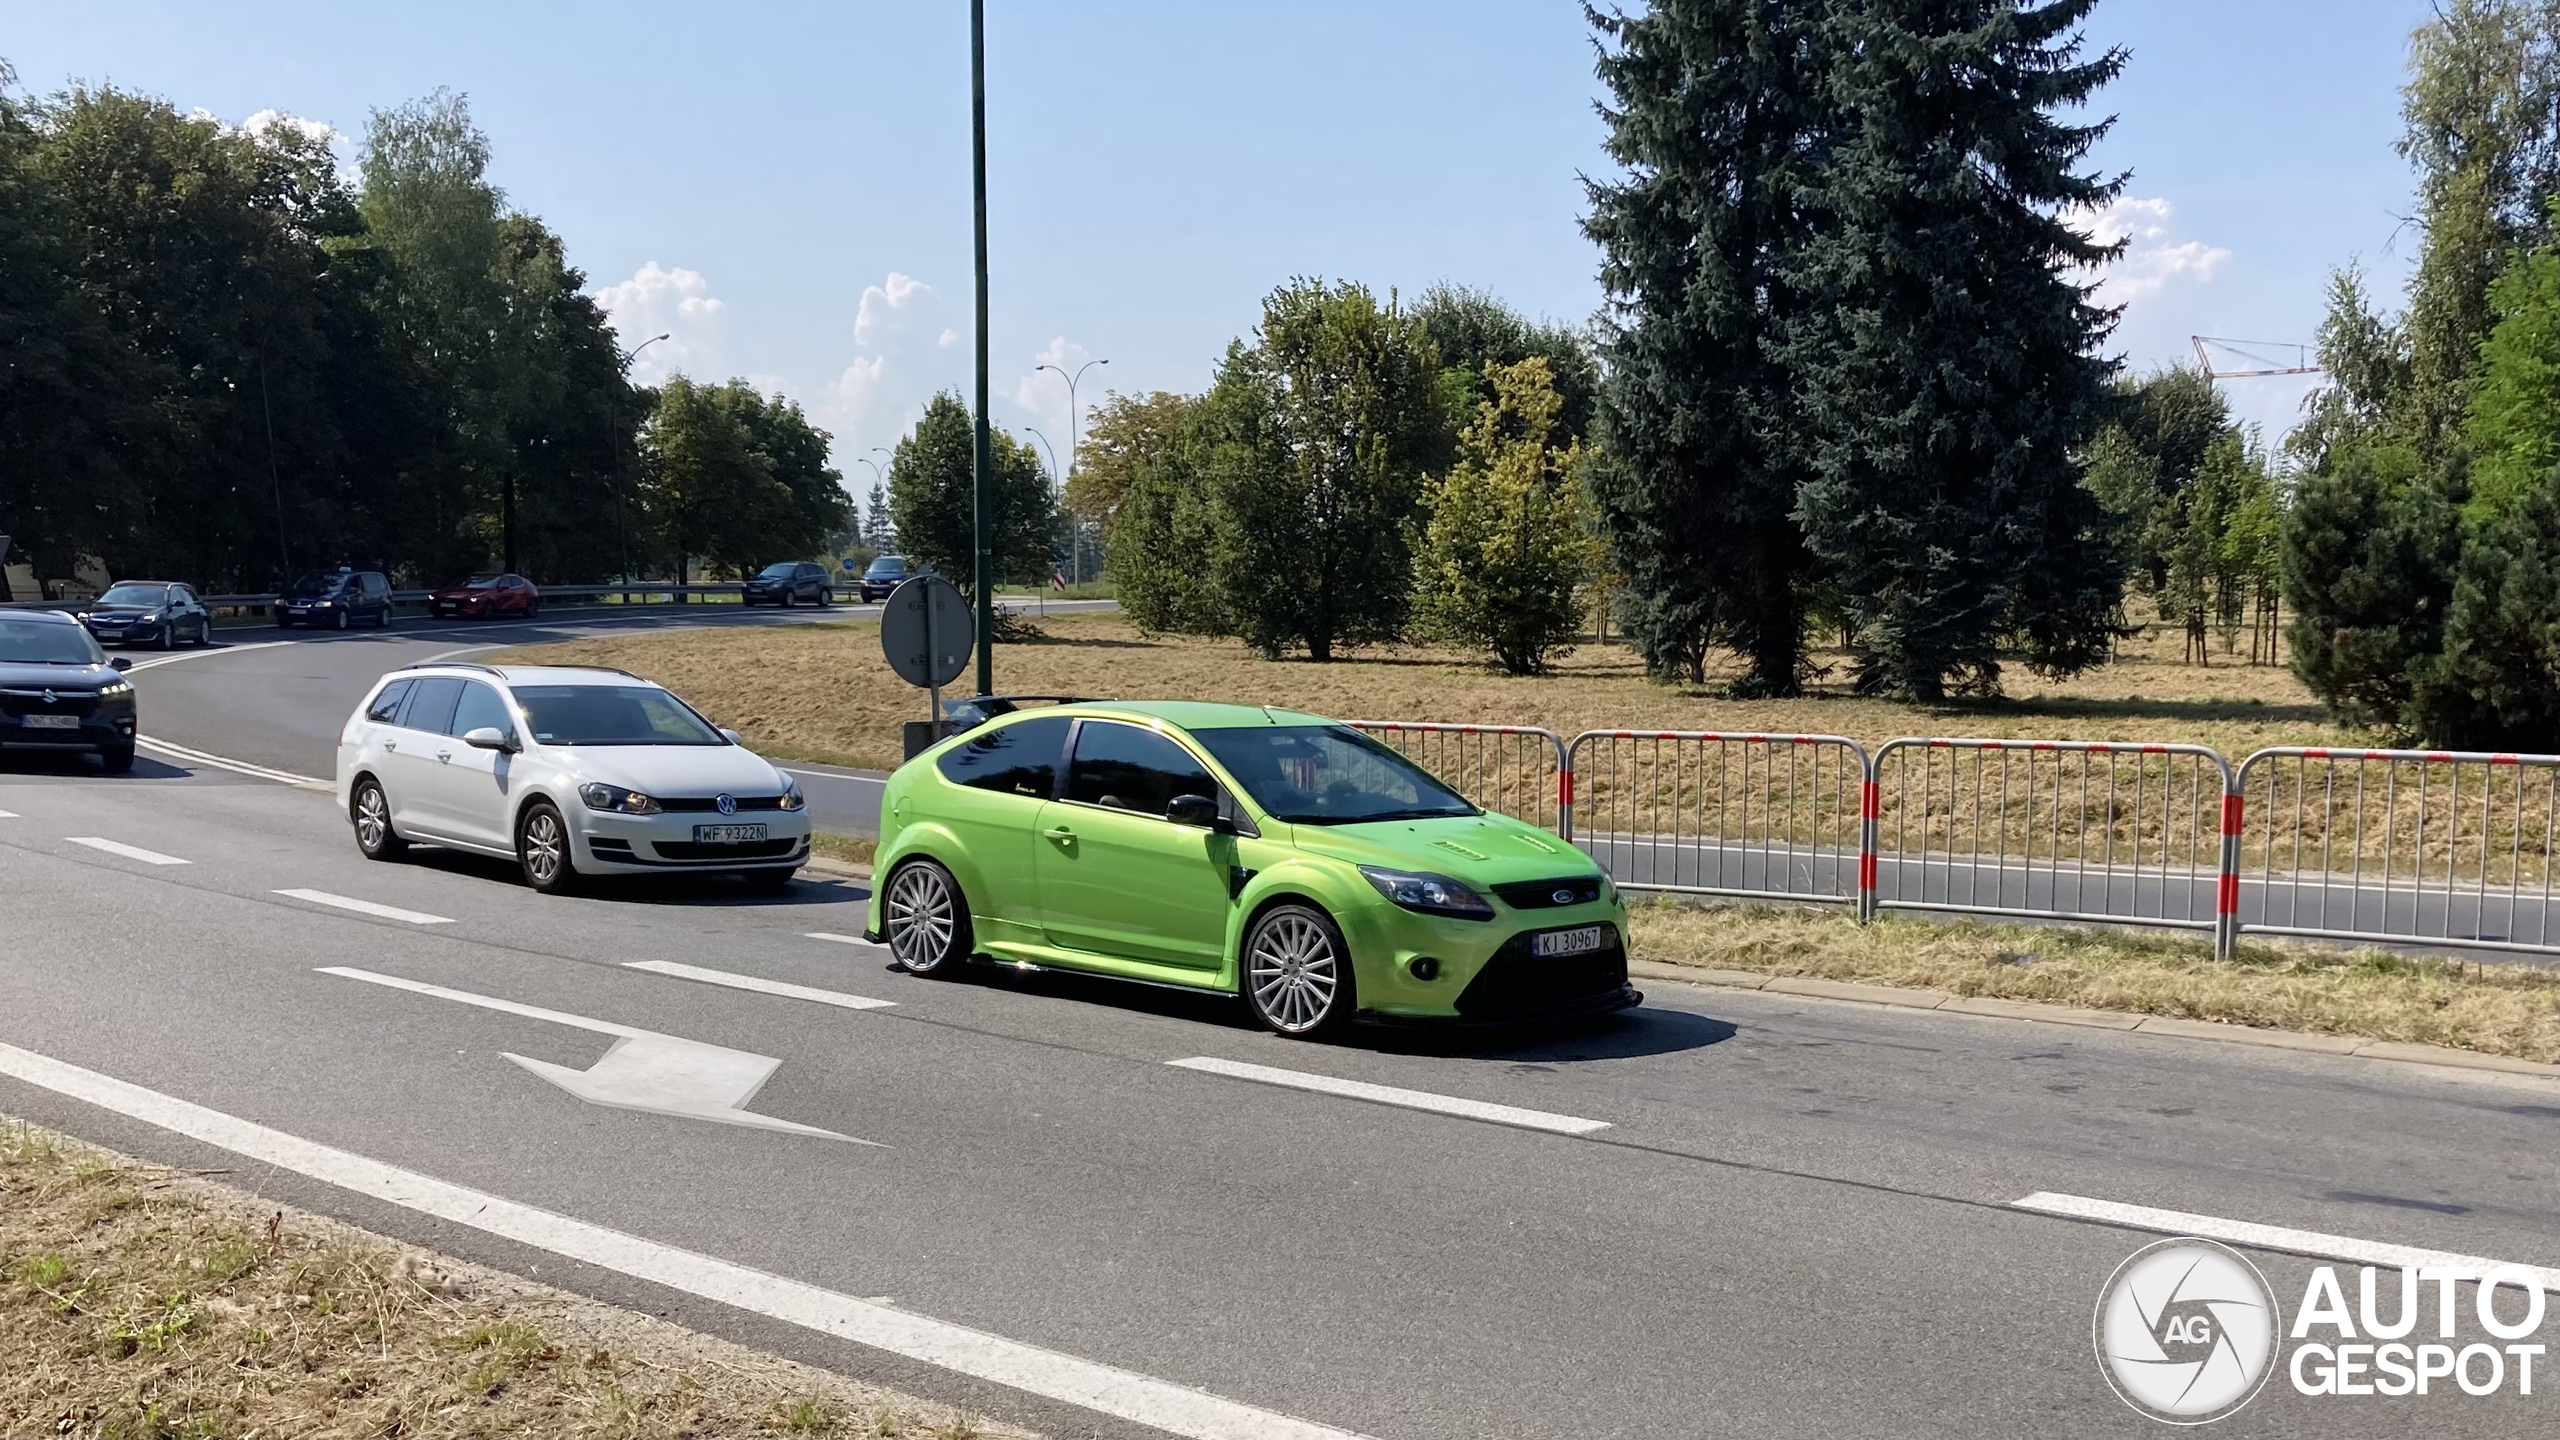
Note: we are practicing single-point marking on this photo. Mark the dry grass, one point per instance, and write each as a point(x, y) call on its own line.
point(2496, 1009)
point(136, 1301)
point(851, 849)
point(823, 692)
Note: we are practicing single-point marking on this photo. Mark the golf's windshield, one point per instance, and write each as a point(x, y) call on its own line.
point(612, 715)
point(37, 642)
point(135, 595)
point(315, 584)
point(1329, 775)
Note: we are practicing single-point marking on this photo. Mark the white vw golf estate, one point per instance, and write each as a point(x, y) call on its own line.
point(569, 771)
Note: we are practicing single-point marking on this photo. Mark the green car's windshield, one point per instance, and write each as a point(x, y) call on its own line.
point(1328, 775)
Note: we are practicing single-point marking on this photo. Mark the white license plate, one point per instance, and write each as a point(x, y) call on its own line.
point(53, 722)
point(1569, 942)
point(726, 834)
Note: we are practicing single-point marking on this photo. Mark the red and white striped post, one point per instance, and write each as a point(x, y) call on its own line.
point(1870, 806)
point(2226, 895)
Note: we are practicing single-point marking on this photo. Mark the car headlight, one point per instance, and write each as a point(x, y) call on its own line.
point(792, 799)
point(114, 688)
point(617, 800)
point(1429, 894)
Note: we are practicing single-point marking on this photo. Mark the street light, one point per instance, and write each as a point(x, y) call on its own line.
point(1075, 562)
point(621, 511)
point(1045, 445)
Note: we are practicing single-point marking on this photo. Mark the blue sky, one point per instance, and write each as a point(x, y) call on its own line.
point(785, 186)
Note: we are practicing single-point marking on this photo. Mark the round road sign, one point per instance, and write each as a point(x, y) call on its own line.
point(927, 632)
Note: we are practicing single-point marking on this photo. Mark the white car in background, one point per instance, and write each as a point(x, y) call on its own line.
point(568, 771)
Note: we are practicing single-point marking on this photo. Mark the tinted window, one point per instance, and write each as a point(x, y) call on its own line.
point(1017, 759)
point(1329, 775)
point(612, 715)
point(480, 706)
point(779, 570)
point(1127, 768)
point(135, 595)
point(386, 705)
point(431, 703)
point(31, 641)
point(182, 593)
point(315, 584)
point(377, 587)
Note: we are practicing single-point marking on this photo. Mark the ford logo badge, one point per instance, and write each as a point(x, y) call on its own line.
point(728, 804)
point(1562, 897)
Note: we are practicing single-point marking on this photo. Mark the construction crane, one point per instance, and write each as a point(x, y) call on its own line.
point(2301, 358)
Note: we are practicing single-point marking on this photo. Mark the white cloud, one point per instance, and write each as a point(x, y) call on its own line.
point(899, 335)
point(2152, 259)
point(678, 304)
point(267, 121)
point(890, 308)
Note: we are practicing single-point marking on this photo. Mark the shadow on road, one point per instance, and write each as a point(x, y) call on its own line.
point(58, 764)
point(682, 888)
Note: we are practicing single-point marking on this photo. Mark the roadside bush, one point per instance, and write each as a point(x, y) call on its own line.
point(1510, 535)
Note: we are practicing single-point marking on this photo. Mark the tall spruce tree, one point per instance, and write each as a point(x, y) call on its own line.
point(1713, 117)
point(1946, 357)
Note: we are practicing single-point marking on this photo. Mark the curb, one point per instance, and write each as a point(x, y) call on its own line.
point(833, 868)
point(2050, 1014)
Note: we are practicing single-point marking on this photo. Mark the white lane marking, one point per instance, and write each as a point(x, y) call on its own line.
point(130, 852)
point(1104, 1388)
point(222, 762)
point(645, 1070)
point(1393, 1095)
point(759, 984)
point(2269, 1237)
point(834, 775)
point(8, 814)
point(845, 940)
point(157, 661)
point(367, 907)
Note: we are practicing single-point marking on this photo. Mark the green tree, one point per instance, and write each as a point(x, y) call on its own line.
point(933, 498)
point(1472, 329)
point(1164, 523)
point(2513, 425)
point(1510, 537)
point(2370, 548)
point(1124, 433)
point(1715, 115)
point(704, 480)
point(811, 507)
point(1946, 358)
point(2158, 433)
point(2495, 685)
point(1325, 428)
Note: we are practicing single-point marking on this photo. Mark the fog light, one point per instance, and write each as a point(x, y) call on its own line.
point(1423, 967)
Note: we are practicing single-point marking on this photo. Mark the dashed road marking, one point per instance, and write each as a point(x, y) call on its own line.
point(366, 907)
point(130, 852)
point(1395, 1095)
point(2272, 1237)
point(759, 984)
point(846, 940)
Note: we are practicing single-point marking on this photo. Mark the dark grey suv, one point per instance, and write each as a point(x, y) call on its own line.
point(790, 582)
point(59, 691)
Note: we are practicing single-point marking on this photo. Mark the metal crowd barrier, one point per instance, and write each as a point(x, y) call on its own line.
point(2400, 845)
point(2375, 845)
point(1713, 813)
point(1516, 770)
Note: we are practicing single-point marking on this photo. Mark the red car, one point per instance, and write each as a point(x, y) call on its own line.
point(485, 597)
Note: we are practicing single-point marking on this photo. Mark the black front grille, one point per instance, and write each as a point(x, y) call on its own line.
point(1516, 982)
point(751, 850)
point(1541, 894)
point(16, 703)
point(690, 804)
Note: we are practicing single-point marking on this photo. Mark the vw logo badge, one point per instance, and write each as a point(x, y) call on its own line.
point(1562, 897)
point(728, 804)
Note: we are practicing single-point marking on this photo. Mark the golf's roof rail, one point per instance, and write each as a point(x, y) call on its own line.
point(453, 665)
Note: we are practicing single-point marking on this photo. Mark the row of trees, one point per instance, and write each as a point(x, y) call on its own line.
point(226, 362)
point(2422, 548)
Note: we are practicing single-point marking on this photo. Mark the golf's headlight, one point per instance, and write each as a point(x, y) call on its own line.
point(617, 799)
point(792, 799)
point(1429, 894)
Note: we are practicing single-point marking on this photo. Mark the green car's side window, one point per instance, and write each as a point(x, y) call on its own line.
point(1128, 768)
point(1017, 759)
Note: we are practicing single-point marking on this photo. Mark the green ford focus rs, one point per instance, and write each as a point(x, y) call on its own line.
point(1282, 857)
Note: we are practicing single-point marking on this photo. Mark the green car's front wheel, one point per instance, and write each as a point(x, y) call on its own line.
point(927, 919)
point(1297, 972)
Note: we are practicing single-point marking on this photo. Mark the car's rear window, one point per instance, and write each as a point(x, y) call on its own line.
point(1016, 759)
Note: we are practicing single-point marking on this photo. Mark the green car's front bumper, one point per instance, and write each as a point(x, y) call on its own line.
point(1485, 973)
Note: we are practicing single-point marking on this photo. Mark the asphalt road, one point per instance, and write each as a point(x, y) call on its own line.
point(1798, 1219)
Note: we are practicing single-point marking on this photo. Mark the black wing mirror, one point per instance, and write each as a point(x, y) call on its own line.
point(1197, 810)
point(119, 662)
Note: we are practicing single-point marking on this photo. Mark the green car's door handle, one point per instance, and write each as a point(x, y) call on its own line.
point(1062, 834)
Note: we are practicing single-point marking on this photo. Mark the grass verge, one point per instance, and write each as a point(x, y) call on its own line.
point(2495, 1009)
point(139, 1301)
point(837, 845)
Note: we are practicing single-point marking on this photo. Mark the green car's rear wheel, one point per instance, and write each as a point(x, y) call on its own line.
point(1297, 972)
point(926, 919)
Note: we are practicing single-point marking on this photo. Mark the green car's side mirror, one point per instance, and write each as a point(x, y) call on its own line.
point(1197, 810)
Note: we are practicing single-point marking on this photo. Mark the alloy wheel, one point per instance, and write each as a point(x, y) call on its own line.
point(1294, 972)
point(545, 848)
point(921, 919)
point(373, 818)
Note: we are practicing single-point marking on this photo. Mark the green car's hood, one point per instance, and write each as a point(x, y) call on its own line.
point(1479, 849)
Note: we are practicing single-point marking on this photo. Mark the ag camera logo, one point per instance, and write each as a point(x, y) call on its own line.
point(2186, 1331)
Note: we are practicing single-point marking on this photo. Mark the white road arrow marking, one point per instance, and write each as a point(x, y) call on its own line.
point(662, 1074)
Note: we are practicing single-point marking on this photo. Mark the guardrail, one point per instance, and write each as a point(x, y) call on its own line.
point(1516, 770)
point(1715, 813)
point(2396, 846)
point(628, 594)
point(2400, 845)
